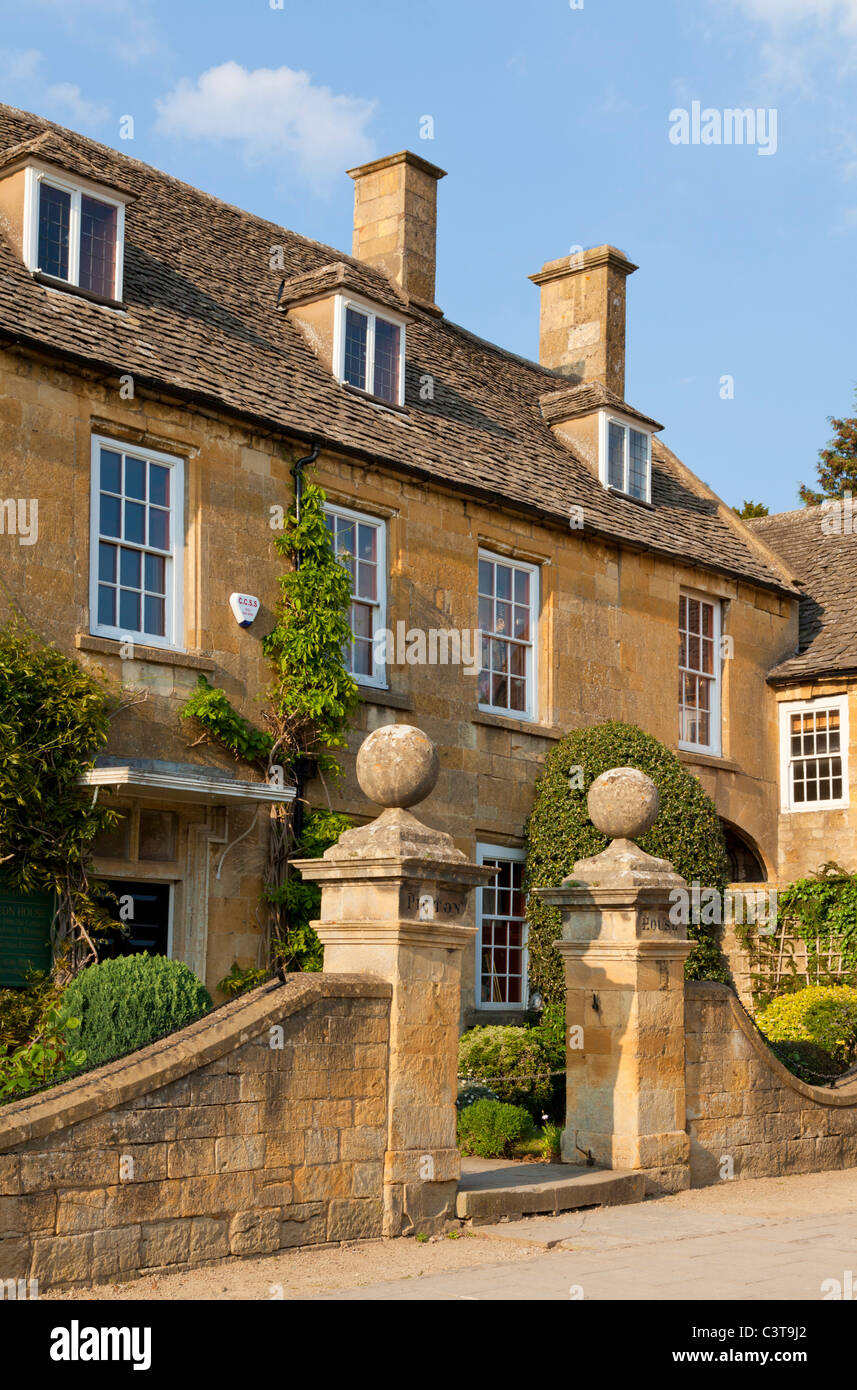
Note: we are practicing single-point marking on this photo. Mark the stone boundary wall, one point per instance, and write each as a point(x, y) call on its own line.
point(743, 1104)
point(208, 1144)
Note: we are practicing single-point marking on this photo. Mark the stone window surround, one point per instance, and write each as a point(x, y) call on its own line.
point(531, 713)
point(35, 175)
point(785, 709)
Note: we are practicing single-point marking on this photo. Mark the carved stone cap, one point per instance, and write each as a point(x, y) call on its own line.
point(623, 803)
point(396, 834)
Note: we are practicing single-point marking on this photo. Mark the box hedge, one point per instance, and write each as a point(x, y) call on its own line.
point(128, 1002)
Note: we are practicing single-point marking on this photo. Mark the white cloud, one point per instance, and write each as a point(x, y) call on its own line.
point(804, 43)
point(65, 101)
point(275, 114)
point(19, 64)
point(126, 28)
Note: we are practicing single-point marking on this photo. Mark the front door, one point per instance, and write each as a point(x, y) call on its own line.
point(143, 910)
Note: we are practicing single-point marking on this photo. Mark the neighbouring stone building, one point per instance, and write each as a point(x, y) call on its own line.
point(168, 361)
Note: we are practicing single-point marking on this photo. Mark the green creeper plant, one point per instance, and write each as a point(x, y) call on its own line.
point(559, 832)
point(54, 718)
point(47, 1057)
point(309, 702)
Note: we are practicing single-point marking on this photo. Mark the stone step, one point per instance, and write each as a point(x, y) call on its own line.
point(492, 1189)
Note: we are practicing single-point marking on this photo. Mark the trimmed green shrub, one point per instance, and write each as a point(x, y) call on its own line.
point(516, 1063)
point(825, 1015)
point(125, 1003)
point(491, 1129)
point(559, 832)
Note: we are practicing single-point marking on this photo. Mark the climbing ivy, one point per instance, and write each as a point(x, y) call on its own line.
point(54, 718)
point(309, 702)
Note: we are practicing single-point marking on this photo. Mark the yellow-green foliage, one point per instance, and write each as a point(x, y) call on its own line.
point(825, 1015)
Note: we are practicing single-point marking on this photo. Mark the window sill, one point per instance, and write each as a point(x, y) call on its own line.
point(51, 282)
point(687, 755)
point(162, 656)
point(374, 400)
point(391, 699)
point(824, 807)
point(628, 497)
point(516, 726)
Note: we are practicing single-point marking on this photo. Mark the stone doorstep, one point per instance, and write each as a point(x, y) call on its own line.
point(493, 1191)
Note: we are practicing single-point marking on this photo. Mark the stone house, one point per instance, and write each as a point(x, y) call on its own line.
point(168, 361)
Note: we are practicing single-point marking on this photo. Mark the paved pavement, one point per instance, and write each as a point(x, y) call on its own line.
point(771, 1239)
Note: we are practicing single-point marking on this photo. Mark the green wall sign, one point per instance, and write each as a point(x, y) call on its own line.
point(25, 933)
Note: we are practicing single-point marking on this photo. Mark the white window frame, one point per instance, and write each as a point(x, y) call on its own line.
point(372, 312)
point(605, 419)
point(34, 178)
point(173, 640)
point(714, 748)
point(532, 673)
point(378, 679)
point(786, 709)
point(518, 856)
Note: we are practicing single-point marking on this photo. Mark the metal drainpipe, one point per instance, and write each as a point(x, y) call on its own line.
point(298, 475)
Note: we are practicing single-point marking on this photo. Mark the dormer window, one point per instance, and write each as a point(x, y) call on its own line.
point(370, 351)
point(626, 458)
point(74, 234)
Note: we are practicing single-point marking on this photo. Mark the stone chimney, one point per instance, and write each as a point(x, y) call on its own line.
point(395, 221)
point(582, 325)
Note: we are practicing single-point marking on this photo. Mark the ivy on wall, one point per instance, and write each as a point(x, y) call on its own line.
point(309, 703)
point(821, 911)
point(687, 832)
point(54, 719)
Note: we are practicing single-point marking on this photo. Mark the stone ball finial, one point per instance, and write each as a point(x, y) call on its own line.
point(397, 765)
point(623, 803)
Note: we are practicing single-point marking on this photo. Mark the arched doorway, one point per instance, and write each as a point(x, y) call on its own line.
point(745, 863)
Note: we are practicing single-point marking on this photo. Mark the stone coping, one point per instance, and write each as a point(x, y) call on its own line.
point(170, 1058)
point(842, 1093)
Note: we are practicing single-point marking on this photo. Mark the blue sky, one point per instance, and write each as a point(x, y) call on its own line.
point(554, 124)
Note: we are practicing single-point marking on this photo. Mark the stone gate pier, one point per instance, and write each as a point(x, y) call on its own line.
point(393, 905)
point(625, 995)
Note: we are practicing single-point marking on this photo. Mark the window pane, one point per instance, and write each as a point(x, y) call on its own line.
point(156, 568)
point(97, 246)
point(129, 568)
point(367, 581)
point(367, 542)
point(107, 562)
point(387, 336)
point(109, 516)
point(54, 218)
point(504, 581)
point(106, 605)
point(129, 610)
point(135, 523)
point(355, 348)
point(616, 455)
point(159, 485)
point(639, 464)
point(159, 529)
point(486, 577)
point(111, 471)
point(155, 623)
point(135, 478)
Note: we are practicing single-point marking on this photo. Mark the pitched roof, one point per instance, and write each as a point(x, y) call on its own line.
point(200, 319)
point(825, 565)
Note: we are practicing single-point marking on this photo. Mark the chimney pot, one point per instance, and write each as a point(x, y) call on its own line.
point(395, 221)
point(582, 325)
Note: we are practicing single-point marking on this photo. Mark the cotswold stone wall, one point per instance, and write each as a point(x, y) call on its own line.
point(261, 1126)
point(744, 1106)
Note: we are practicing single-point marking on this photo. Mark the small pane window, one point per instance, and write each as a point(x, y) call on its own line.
point(97, 246)
point(628, 467)
point(506, 680)
point(698, 673)
point(359, 547)
point(356, 331)
point(54, 228)
point(386, 360)
point(502, 936)
point(372, 354)
point(815, 757)
point(134, 567)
